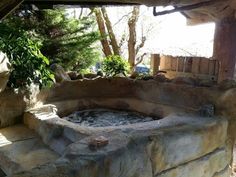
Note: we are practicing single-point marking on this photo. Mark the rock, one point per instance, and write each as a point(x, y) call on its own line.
point(87, 76)
point(206, 83)
point(227, 84)
point(184, 80)
point(60, 74)
point(79, 76)
point(90, 76)
point(147, 77)
point(98, 142)
point(12, 108)
point(207, 110)
point(161, 78)
point(100, 73)
point(207, 166)
point(5, 68)
point(134, 75)
point(73, 75)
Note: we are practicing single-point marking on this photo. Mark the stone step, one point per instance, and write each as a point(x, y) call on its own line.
point(21, 149)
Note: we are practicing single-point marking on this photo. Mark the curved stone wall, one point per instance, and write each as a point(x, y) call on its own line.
point(119, 91)
point(182, 144)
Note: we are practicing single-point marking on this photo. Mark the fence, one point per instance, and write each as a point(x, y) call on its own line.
point(198, 67)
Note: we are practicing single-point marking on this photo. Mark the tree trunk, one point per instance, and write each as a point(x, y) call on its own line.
point(132, 37)
point(102, 29)
point(111, 33)
point(225, 47)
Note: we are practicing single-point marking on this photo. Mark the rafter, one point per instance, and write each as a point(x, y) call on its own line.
point(9, 7)
point(185, 8)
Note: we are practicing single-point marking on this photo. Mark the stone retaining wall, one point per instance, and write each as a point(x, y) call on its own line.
point(177, 145)
point(182, 144)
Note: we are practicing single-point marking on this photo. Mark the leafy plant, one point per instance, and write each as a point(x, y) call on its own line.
point(29, 65)
point(65, 40)
point(114, 65)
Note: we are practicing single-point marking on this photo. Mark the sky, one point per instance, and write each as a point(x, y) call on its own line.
point(166, 34)
point(177, 37)
point(169, 34)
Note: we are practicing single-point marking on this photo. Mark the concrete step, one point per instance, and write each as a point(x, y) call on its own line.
point(22, 149)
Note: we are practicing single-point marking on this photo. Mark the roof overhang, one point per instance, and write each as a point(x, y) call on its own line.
point(213, 11)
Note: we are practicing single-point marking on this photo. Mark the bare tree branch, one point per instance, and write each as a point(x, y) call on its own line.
point(140, 59)
point(124, 16)
point(122, 40)
point(81, 13)
point(141, 45)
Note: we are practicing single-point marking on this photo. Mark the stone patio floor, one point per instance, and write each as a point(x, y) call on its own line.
point(22, 149)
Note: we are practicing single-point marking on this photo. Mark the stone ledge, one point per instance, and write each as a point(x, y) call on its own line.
point(206, 166)
point(165, 144)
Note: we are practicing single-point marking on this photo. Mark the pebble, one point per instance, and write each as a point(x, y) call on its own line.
point(106, 117)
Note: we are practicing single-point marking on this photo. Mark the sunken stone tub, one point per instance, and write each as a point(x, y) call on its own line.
point(175, 141)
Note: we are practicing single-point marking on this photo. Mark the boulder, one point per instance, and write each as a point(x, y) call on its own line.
point(90, 76)
point(161, 78)
point(73, 75)
point(5, 68)
point(60, 74)
point(206, 83)
point(227, 84)
point(184, 81)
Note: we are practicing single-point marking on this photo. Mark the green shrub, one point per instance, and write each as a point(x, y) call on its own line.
point(29, 65)
point(114, 65)
point(67, 41)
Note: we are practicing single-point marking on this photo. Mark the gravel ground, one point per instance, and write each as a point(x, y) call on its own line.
point(106, 117)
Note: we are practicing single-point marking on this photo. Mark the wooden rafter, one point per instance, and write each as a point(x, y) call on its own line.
point(9, 7)
point(185, 8)
point(82, 3)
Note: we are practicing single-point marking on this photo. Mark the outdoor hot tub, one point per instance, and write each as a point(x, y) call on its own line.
point(151, 130)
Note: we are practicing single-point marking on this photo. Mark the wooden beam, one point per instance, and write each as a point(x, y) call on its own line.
point(185, 8)
point(225, 47)
point(81, 3)
point(8, 7)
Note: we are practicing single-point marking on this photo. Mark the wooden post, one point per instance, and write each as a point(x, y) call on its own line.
point(225, 47)
point(155, 63)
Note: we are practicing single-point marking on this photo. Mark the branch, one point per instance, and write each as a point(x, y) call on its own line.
point(140, 59)
point(126, 15)
point(122, 40)
point(191, 54)
point(185, 8)
point(81, 13)
point(141, 45)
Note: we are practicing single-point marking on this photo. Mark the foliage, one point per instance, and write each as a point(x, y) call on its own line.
point(144, 76)
point(114, 65)
point(29, 65)
point(65, 40)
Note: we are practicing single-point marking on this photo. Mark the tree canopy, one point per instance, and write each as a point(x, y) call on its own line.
point(66, 40)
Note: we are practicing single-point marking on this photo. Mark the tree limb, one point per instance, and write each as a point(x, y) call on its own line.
point(141, 45)
point(102, 28)
point(111, 33)
point(140, 59)
point(126, 15)
point(81, 13)
point(132, 22)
